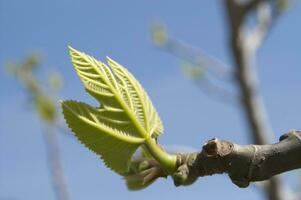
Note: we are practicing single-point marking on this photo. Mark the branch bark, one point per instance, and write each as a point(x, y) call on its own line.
point(243, 163)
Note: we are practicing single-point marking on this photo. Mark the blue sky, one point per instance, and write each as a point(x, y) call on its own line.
point(121, 30)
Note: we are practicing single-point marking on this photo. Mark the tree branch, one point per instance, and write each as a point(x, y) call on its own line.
point(218, 92)
point(48, 113)
point(208, 64)
point(55, 165)
point(259, 32)
point(246, 76)
point(243, 163)
point(252, 4)
point(243, 56)
point(191, 54)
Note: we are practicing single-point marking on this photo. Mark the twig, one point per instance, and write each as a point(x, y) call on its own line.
point(205, 62)
point(266, 18)
point(258, 33)
point(196, 56)
point(217, 92)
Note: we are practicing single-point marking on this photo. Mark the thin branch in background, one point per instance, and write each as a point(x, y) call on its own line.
point(200, 66)
point(48, 113)
point(202, 81)
point(266, 17)
point(62, 128)
point(215, 91)
point(191, 54)
point(252, 5)
point(54, 163)
point(243, 46)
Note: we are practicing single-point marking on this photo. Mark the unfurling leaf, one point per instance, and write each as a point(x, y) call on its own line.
point(144, 171)
point(143, 174)
point(124, 120)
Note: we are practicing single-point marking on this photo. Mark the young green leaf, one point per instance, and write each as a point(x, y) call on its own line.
point(124, 120)
point(115, 146)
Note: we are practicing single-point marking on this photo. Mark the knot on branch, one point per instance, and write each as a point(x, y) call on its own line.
point(207, 162)
point(215, 147)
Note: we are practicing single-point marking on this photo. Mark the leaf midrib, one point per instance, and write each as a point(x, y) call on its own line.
point(138, 94)
point(133, 118)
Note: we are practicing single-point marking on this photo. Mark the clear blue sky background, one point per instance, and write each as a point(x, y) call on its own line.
point(121, 29)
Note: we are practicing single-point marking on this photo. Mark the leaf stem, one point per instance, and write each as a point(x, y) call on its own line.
point(166, 160)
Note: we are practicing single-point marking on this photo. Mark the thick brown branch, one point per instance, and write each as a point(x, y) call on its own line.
point(243, 163)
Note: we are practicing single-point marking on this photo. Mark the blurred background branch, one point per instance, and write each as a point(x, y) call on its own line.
point(47, 109)
point(243, 45)
point(184, 51)
point(202, 68)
